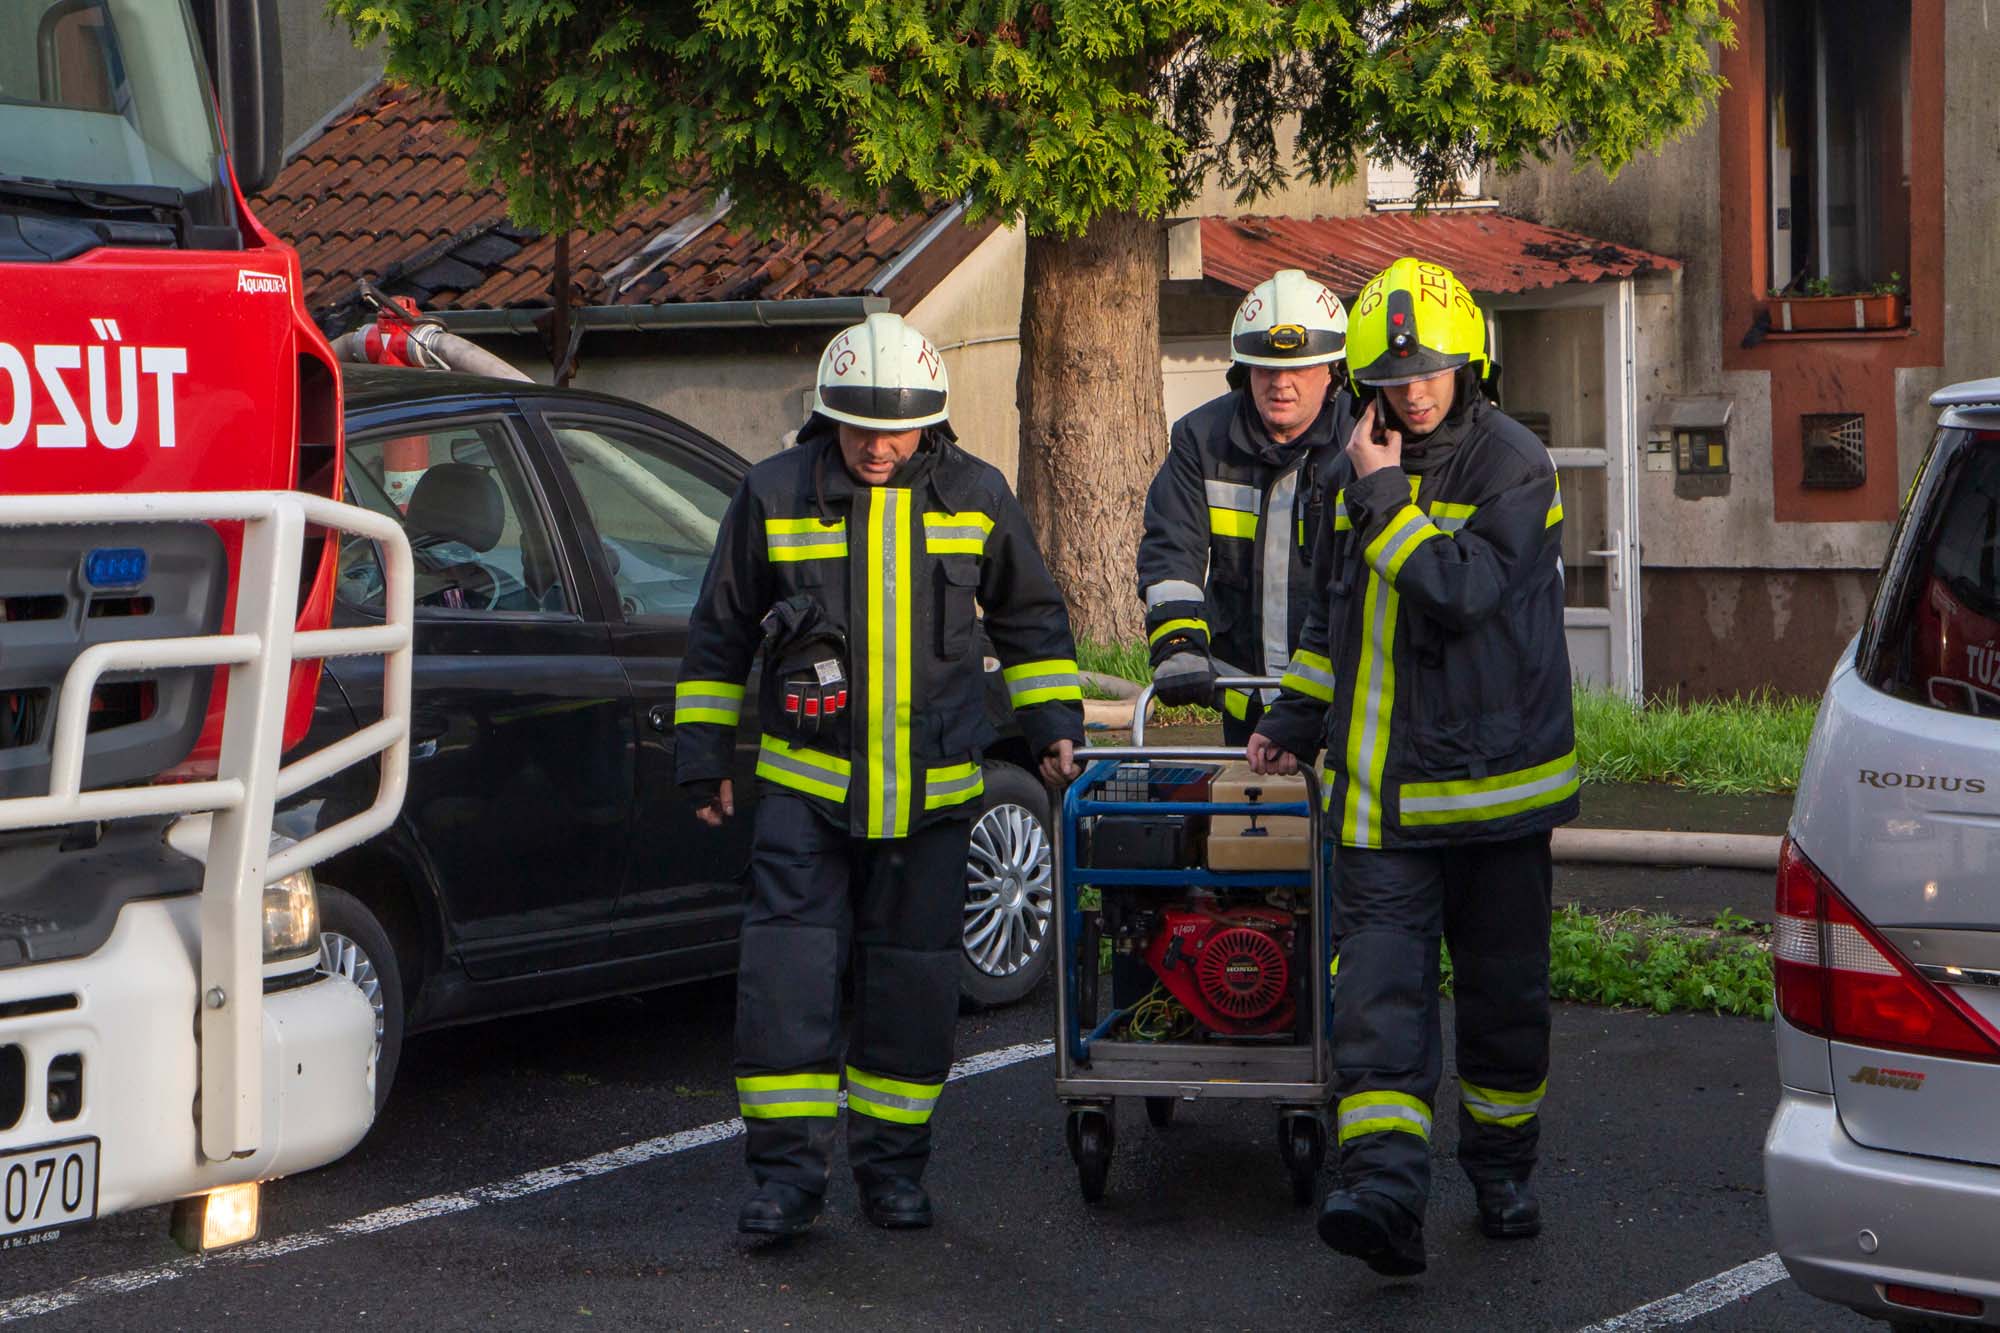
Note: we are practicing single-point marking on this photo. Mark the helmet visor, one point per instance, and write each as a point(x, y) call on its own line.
point(1419, 363)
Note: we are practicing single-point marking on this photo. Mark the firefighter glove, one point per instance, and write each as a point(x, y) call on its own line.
point(1184, 676)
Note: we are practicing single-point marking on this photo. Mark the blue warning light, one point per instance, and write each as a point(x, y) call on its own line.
point(115, 567)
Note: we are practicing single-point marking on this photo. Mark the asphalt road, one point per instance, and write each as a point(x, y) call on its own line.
point(1650, 1180)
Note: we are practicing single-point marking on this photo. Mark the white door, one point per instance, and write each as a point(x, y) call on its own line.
point(1567, 373)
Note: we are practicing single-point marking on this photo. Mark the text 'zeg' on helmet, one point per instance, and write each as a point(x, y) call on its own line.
point(881, 374)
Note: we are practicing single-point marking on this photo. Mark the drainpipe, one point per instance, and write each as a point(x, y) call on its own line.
point(822, 311)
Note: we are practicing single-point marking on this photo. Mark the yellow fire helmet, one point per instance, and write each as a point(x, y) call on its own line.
point(1412, 321)
point(1288, 320)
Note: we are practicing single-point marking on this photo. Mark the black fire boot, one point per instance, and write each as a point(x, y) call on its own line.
point(1508, 1209)
point(1375, 1230)
point(778, 1209)
point(896, 1202)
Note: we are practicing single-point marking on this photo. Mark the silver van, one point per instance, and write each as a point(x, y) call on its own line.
point(1882, 1164)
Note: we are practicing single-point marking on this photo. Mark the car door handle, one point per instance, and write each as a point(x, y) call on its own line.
point(659, 718)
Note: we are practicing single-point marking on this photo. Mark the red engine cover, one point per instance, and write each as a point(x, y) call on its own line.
point(1228, 969)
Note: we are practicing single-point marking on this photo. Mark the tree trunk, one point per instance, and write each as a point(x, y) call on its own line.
point(1093, 418)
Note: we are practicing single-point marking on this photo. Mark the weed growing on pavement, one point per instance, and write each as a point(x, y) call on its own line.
point(1728, 746)
point(1631, 960)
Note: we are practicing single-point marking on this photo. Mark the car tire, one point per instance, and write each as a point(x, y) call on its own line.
point(353, 945)
point(1009, 931)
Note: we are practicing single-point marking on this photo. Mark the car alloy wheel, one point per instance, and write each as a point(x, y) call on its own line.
point(1010, 891)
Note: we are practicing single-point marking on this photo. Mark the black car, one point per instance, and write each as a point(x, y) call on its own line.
point(544, 855)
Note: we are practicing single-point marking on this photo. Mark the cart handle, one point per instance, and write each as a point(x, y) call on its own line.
point(1145, 699)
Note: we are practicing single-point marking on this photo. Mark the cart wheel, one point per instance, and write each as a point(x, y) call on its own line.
point(1160, 1110)
point(1302, 1142)
point(1090, 1142)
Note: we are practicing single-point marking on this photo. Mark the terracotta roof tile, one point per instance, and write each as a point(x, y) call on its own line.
point(384, 193)
point(1489, 252)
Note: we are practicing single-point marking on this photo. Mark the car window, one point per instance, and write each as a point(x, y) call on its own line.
point(477, 538)
point(1942, 634)
point(656, 506)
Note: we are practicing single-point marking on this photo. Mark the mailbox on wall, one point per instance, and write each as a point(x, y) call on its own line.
point(1690, 438)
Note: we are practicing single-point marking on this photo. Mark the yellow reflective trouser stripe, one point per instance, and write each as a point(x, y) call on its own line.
point(886, 716)
point(1167, 627)
point(1237, 704)
point(1368, 722)
point(956, 534)
point(1494, 797)
point(1050, 680)
point(792, 539)
point(781, 1096)
point(803, 770)
point(1231, 522)
point(1408, 530)
point(891, 1099)
point(1310, 674)
point(1493, 1106)
point(1382, 1112)
point(954, 784)
point(708, 701)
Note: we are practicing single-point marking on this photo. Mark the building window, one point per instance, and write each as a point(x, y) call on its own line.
point(1839, 124)
point(1392, 187)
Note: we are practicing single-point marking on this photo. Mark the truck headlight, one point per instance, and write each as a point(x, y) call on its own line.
point(291, 917)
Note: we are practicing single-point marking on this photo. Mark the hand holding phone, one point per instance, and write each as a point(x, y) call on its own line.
point(1374, 445)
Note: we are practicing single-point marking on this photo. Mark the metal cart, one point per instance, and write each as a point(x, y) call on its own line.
point(1093, 1069)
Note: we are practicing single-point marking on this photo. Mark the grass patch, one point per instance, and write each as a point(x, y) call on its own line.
point(1630, 960)
point(1730, 747)
point(1130, 661)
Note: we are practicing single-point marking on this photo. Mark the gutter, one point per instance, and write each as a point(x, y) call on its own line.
point(676, 316)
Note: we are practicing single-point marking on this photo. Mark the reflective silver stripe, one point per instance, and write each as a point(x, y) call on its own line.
point(831, 537)
point(822, 773)
point(1481, 800)
point(1351, 1117)
point(1278, 539)
point(935, 786)
point(774, 1096)
point(1449, 523)
point(1305, 670)
point(961, 532)
point(859, 1092)
point(1234, 495)
point(721, 703)
point(1172, 590)
point(1054, 680)
point(1491, 1111)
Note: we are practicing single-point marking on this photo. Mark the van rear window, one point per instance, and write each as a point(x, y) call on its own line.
point(1934, 634)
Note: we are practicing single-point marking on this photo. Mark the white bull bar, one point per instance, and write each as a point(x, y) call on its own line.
point(250, 775)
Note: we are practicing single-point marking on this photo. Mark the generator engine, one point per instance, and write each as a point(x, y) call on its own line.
point(1227, 965)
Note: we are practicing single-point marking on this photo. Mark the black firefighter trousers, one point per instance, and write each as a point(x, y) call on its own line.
point(1490, 902)
point(818, 896)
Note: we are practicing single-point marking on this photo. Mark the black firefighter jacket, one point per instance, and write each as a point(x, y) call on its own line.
point(1231, 519)
point(1433, 668)
point(897, 569)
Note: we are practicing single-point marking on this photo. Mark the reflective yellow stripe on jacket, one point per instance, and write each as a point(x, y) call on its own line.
point(813, 772)
point(714, 701)
point(1495, 797)
point(1233, 508)
point(889, 581)
point(956, 534)
point(1048, 681)
point(792, 539)
point(1368, 721)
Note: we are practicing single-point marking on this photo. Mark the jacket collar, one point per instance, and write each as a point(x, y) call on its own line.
point(834, 487)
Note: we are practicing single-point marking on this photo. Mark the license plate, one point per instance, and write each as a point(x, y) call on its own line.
point(49, 1186)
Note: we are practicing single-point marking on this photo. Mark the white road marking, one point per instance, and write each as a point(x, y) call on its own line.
point(1702, 1298)
point(443, 1205)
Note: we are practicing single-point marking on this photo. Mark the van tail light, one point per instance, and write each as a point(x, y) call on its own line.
point(1838, 979)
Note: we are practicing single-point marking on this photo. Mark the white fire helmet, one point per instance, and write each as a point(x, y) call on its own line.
point(1289, 320)
point(881, 374)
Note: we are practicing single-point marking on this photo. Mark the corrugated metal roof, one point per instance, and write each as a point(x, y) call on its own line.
point(384, 194)
point(1490, 252)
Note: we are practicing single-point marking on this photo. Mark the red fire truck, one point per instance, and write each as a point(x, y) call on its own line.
point(169, 523)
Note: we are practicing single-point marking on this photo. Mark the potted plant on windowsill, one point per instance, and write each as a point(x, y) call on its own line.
point(1820, 309)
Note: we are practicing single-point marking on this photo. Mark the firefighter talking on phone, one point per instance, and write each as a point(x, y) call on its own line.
point(1433, 673)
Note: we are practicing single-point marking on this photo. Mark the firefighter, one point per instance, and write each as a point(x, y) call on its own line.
point(853, 562)
point(1433, 672)
point(1232, 513)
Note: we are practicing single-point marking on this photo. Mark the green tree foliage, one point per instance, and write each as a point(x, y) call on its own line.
point(1051, 111)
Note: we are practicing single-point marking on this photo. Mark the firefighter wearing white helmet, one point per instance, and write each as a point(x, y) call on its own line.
point(1233, 512)
point(853, 562)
